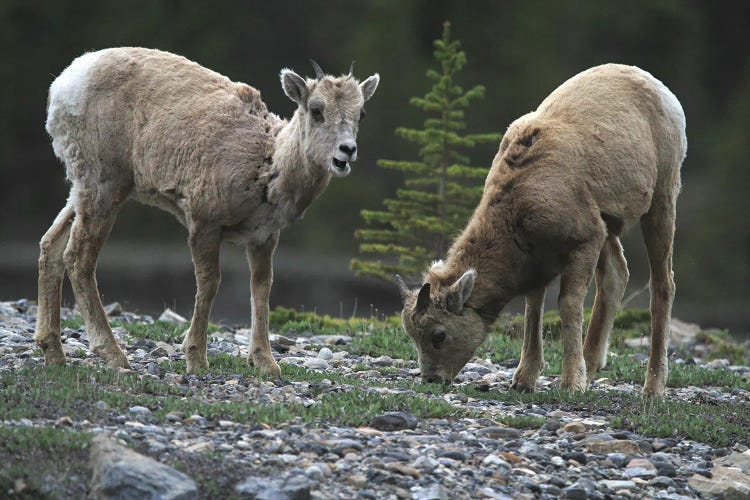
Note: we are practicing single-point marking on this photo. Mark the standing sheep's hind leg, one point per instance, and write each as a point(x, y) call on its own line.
point(658, 227)
point(51, 274)
point(574, 283)
point(611, 280)
point(204, 246)
point(261, 279)
point(88, 234)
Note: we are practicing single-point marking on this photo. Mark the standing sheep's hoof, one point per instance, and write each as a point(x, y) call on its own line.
point(265, 363)
point(53, 353)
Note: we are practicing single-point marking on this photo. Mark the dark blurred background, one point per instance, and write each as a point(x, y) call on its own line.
point(520, 50)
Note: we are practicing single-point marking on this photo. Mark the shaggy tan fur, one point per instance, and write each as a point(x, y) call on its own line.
point(158, 128)
point(603, 151)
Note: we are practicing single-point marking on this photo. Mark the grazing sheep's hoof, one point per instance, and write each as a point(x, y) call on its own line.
point(265, 363)
point(195, 358)
point(113, 355)
point(53, 353)
point(522, 387)
point(524, 379)
point(653, 388)
point(197, 364)
point(575, 384)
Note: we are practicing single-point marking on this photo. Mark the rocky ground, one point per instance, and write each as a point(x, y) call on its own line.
point(341, 424)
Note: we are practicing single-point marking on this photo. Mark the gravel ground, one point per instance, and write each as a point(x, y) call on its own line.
point(574, 452)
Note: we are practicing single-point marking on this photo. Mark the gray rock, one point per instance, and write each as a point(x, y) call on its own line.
point(325, 353)
point(575, 493)
point(172, 317)
point(618, 484)
point(316, 364)
point(726, 482)
point(120, 473)
point(496, 432)
point(431, 492)
point(140, 410)
point(394, 421)
point(427, 464)
point(113, 309)
point(293, 488)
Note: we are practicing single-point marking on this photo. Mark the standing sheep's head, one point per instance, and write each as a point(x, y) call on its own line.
point(445, 331)
point(330, 109)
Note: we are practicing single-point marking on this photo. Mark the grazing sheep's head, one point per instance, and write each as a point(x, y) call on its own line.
point(445, 331)
point(330, 109)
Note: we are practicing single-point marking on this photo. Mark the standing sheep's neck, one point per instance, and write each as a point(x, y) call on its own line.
point(298, 180)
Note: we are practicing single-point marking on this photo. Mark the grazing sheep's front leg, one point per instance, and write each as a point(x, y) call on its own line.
point(260, 258)
point(611, 280)
point(204, 246)
point(532, 353)
point(574, 283)
point(658, 234)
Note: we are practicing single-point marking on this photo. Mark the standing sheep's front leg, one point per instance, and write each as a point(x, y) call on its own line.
point(260, 258)
point(204, 246)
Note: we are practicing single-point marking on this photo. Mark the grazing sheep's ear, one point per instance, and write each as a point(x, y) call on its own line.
point(402, 288)
point(423, 299)
point(294, 86)
point(460, 291)
point(368, 86)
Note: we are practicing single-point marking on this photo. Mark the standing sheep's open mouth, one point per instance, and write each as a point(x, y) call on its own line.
point(340, 168)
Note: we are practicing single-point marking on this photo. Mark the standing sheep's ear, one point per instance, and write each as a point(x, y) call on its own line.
point(460, 291)
point(294, 86)
point(368, 86)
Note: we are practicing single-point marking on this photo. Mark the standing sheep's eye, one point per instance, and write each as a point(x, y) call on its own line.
point(362, 114)
point(317, 113)
point(437, 339)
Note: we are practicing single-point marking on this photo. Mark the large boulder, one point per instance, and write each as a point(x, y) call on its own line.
point(120, 473)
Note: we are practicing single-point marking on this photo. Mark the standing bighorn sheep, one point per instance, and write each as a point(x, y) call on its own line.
point(601, 152)
point(158, 128)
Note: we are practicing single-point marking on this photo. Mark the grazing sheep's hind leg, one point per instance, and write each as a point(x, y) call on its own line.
point(51, 274)
point(88, 234)
point(611, 280)
point(574, 283)
point(532, 352)
point(658, 227)
point(204, 246)
point(261, 278)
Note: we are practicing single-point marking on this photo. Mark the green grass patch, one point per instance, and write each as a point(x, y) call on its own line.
point(164, 331)
point(61, 454)
point(389, 341)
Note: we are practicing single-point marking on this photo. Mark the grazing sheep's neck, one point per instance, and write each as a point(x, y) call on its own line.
point(496, 260)
point(300, 180)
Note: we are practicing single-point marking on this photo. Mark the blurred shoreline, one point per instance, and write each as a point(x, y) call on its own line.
point(147, 277)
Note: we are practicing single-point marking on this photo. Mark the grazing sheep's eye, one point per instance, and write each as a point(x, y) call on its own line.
point(317, 113)
point(437, 339)
point(362, 114)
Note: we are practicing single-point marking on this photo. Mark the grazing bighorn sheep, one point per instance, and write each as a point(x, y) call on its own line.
point(601, 152)
point(158, 128)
